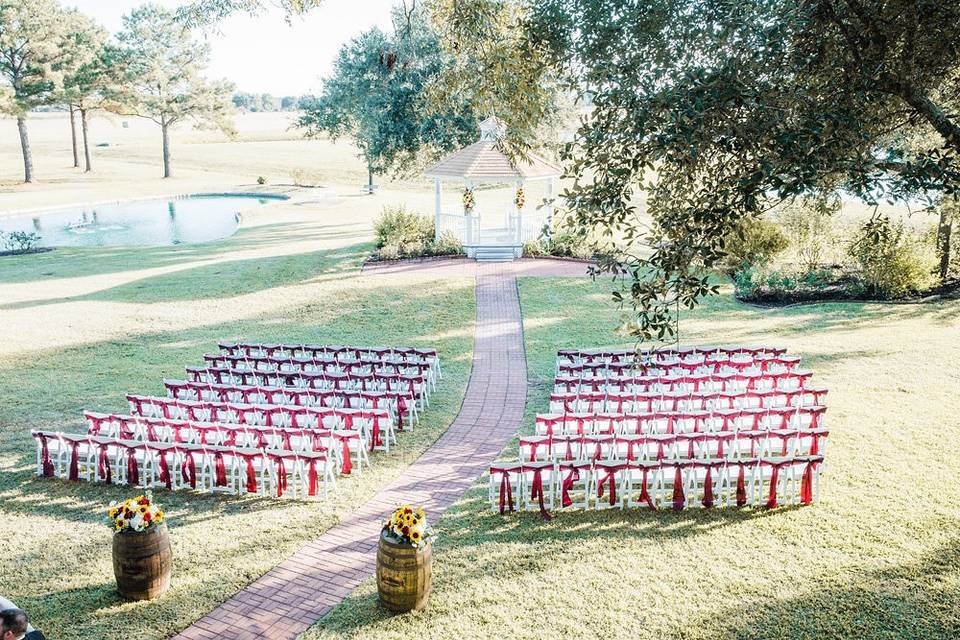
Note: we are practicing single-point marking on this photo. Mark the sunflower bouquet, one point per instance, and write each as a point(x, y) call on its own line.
point(134, 514)
point(409, 525)
point(468, 200)
point(520, 199)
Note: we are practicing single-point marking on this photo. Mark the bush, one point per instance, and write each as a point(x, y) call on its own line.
point(893, 263)
point(783, 285)
point(405, 234)
point(19, 241)
point(755, 242)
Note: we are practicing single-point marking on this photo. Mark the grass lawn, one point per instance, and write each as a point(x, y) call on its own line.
point(83, 327)
point(879, 557)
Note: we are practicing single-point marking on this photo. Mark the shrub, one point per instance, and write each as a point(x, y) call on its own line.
point(261, 180)
point(533, 250)
point(20, 241)
point(447, 245)
point(755, 242)
point(406, 234)
point(893, 263)
point(398, 226)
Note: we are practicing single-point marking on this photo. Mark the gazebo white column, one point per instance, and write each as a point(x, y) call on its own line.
point(438, 200)
point(549, 207)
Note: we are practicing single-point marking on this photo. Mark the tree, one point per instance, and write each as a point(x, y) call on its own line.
point(31, 48)
point(207, 12)
point(244, 101)
point(375, 96)
point(287, 103)
point(267, 102)
point(162, 80)
point(720, 110)
point(89, 71)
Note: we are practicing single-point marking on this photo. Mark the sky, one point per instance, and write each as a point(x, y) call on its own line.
point(264, 54)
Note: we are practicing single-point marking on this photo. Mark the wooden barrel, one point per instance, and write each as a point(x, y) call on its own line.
point(142, 562)
point(403, 575)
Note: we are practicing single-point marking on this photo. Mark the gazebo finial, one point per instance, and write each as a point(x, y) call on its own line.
point(492, 129)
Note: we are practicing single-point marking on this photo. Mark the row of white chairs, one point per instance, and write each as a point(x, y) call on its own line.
point(400, 406)
point(606, 484)
point(378, 429)
point(676, 422)
point(206, 468)
point(333, 352)
point(706, 351)
point(686, 383)
point(347, 447)
point(416, 385)
point(679, 446)
point(685, 400)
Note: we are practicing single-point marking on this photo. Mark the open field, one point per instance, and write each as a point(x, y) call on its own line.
point(878, 558)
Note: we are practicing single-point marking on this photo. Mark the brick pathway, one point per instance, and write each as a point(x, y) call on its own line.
point(303, 588)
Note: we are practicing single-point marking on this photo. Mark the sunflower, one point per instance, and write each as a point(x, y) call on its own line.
point(415, 535)
point(119, 523)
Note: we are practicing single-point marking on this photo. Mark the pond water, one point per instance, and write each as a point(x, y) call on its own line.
point(196, 218)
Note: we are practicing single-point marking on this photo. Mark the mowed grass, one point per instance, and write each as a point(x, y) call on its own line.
point(84, 327)
point(879, 557)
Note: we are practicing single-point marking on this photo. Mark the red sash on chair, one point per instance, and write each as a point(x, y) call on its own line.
point(45, 461)
point(741, 487)
point(133, 470)
point(506, 490)
point(536, 491)
point(567, 485)
point(678, 497)
point(189, 470)
point(774, 480)
point(251, 472)
point(644, 493)
point(165, 470)
point(312, 477)
point(609, 478)
point(281, 475)
point(103, 464)
point(74, 460)
point(806, 483)
point(219, 470)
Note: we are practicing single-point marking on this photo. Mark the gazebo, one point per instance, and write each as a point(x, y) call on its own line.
point(483, 163)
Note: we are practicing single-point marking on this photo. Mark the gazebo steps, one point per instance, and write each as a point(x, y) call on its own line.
point(494, 253)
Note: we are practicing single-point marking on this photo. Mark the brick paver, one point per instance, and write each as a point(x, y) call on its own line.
point(303, 588)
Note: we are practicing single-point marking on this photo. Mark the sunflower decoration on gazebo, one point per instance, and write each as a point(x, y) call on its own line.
point(520, 199)
point(469, 202)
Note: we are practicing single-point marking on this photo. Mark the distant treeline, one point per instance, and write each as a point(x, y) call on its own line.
point(254, 102)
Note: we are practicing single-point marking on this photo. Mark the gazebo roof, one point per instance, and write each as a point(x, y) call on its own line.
point(482, 160)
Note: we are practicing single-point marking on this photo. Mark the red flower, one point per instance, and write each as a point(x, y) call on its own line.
point(406, 531)
point(408, 510)
point(143, 501)
point(146, 517)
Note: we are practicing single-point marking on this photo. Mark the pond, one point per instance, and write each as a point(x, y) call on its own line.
point(181, 220)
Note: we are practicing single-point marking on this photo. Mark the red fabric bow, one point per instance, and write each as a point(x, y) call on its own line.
point(806, 483)
point(219, 470)
point(347, 463)
point(189, 470)
point(74, 461)
point(281, 476)
point(568, 481)
point(506, 490)
point(609, 478)
point(741, 487)
point(536, 492)
point(45, 457)
point(678, 497)
point(103, 464)
point(644, 493)
point(165, 470)
point(133, 470)
point(312, 478)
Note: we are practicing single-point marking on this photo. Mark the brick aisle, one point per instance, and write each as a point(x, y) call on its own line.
point(303, 588)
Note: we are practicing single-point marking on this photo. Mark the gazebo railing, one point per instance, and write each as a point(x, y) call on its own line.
point(454, 224)
point(531, 225)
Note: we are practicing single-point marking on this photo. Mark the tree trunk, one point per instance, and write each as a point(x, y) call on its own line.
point(944, 231)
point(165, 127)
point(73, 138)
point(369, 180)
point(86, 143)
point(25, 147)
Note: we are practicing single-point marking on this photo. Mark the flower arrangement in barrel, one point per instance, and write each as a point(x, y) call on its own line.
point(134, 514)
point(408, 525)
point(469, 202)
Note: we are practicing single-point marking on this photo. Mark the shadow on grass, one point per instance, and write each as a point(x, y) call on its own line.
point(911, 600)
point(226, 278)
point(71, 262)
